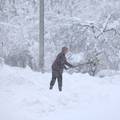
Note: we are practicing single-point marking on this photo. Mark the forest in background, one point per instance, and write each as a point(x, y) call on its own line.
point(90, 27)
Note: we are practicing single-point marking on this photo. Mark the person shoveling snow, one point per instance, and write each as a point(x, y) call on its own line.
point(57, 68)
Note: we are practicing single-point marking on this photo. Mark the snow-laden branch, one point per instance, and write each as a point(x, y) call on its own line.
point(106, 23)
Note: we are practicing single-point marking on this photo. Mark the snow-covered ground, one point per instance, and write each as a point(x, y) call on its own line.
point(25, 95)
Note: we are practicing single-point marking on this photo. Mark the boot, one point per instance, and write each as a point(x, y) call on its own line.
point(60, 89)
point(51, 87)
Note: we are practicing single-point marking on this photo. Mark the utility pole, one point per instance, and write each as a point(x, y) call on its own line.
point(41, 35)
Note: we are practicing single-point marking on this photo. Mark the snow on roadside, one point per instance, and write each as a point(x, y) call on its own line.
point(25, 95)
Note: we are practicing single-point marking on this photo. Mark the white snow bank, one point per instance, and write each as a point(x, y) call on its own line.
point(25, 95)
point(104, 73)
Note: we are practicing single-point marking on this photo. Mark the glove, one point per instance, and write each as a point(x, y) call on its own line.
point(66, 68)
point(74, 66)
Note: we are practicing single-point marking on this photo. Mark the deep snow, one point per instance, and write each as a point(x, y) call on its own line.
point(25, 95)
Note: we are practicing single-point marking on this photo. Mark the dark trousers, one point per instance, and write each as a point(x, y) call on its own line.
point(56, 75)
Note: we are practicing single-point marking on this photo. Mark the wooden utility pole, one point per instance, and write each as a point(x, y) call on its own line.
point(41, 35)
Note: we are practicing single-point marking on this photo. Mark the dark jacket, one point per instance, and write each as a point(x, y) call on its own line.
point(60, 62)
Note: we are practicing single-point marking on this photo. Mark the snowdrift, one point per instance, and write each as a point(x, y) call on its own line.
point(25, 95)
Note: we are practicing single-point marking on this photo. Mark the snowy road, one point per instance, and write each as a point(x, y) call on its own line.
point(24, 95)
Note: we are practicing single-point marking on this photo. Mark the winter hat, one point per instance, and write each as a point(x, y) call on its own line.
point(64, 49)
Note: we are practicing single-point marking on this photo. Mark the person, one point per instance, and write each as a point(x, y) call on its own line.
point(58, 66)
